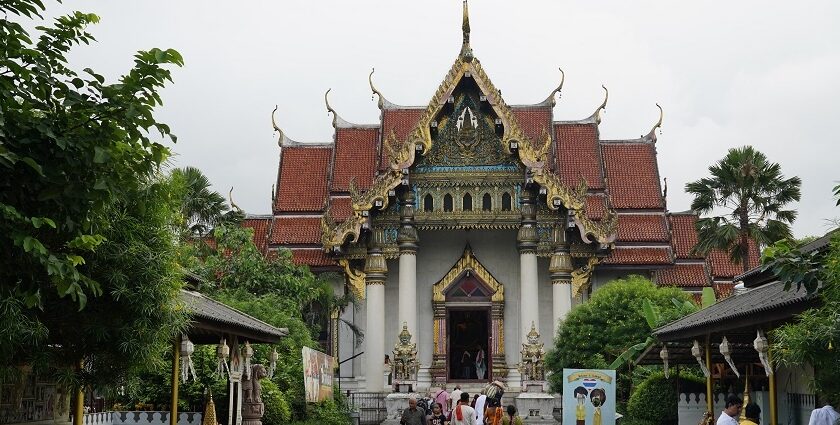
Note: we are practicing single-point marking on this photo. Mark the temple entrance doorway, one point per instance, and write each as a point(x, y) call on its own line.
point(469, 331)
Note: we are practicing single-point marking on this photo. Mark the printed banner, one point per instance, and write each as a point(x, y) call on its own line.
point(588, 397)
point(317, 375)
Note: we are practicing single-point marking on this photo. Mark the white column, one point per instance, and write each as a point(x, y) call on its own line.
point(562, 298)
point(527, 240)
point(376, 270)
point(407, 241)
point(529, 297)
point(560, 270)
point(375, 336)
point(408, 292)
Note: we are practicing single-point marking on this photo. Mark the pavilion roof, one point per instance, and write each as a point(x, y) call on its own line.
point(212, 320)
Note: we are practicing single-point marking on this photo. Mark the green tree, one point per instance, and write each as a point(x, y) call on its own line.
point(201, 206)
point(814, 337)
point(597, 332)
point(755, 194)
point(78, 194)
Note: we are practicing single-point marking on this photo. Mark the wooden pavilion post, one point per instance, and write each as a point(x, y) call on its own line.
point(772, 387)
point(710, 405)
point(79, 408)
point(176, 360)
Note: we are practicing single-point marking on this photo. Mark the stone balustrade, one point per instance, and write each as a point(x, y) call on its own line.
point(140, 418)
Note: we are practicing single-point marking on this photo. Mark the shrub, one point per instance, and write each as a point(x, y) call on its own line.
point(277, 409)
point(654, 401)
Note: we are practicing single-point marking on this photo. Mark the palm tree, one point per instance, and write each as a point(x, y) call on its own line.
point(201, 207)
point(754, 192)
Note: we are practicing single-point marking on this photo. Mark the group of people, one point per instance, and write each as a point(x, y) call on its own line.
point(470, 362)
point(482, 410)
point(825, 415)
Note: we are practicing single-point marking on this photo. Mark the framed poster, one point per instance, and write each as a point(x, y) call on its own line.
point(317, 375)
point(588, 397)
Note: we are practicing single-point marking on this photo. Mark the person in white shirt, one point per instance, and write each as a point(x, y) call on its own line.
point(479, 409)
point(454, 398)
point(729, 415)
point(463, 414)
point(825, 415)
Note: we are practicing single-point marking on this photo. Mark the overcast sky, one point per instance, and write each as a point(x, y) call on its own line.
point(727, 73)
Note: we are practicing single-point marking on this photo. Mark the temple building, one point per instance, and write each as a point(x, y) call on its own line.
point(470, 221)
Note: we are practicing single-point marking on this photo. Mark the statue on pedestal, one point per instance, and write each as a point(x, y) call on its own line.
point(405, 359)
point(252, 404)
point(532, 366)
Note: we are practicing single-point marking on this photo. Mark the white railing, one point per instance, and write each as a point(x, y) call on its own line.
point(140, 418)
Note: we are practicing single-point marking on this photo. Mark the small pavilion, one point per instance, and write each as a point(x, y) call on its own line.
point(729, 340)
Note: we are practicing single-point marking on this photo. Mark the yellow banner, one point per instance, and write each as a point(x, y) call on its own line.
point(577, 376)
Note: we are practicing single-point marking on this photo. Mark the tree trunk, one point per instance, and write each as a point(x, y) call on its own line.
point(744, 243)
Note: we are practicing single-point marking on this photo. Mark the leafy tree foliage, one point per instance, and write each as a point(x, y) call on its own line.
point(755, 194)
point(814, 338)
point(85, 250)
point(598, 331)
point(201, 207)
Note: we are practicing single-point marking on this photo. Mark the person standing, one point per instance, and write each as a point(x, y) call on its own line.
point(479, 408)
point(731, 411)
point(455, 397)
point(466, 364)
point(437, 417)
point(463, 413)
point(480, 363)
point(493, 412)
point(512, 418)
point(752, 415)
point(825, 415)
point(442, 398)
point(413, 415)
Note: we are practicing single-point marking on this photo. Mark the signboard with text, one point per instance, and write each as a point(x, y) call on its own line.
point(588, 397)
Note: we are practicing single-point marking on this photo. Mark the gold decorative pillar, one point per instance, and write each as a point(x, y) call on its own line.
point(176, 370)
point(376, 272)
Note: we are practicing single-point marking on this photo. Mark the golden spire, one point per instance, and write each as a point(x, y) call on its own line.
point(466, 50)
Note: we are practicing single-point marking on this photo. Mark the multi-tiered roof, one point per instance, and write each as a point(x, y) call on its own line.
point(622, 205)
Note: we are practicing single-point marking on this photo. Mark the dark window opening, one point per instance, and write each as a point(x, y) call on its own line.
point(447, 202)
point(467, 202)
point(428, 203)
point(506, 202)
point(486, 202)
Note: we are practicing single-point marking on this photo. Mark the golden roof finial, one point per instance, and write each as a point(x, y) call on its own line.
point(550, 99)
point(375, 91)
point(276, 128)
point(233, 204)
point(596, 116)
point(466, 50)
point(651, 136)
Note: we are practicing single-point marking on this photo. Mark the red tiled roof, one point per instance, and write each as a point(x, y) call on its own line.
point(261, 226)
point(683, 234)
point(311, 257)
point(639, 255)
point(296, 230)
point(632, 176)
point(401, 121)
point(596, 206)
point(533, 120)
point(302, 184)
point(355, 157)
point(723, 267)
point(577, 154)
point(642, 228)
point(340, 208)
point(723, 290)
point(683, 275)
